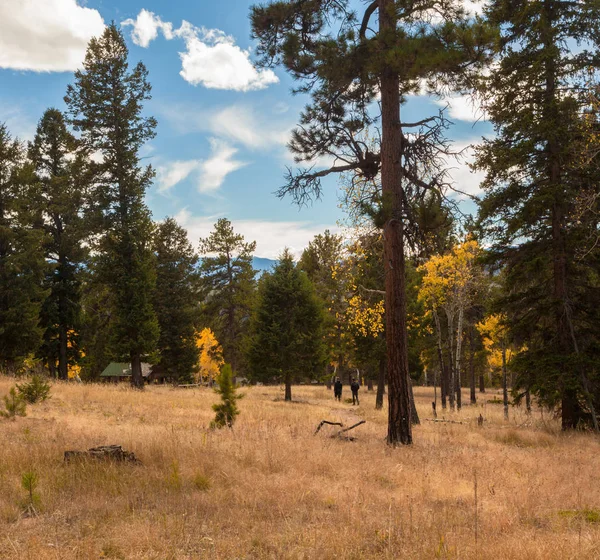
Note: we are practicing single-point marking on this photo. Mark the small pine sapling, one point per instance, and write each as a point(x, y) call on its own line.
point(14, 404)
point(29, 482)
point(34, 391)
point(227, 409)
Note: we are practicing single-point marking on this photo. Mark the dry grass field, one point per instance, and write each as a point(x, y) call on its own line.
point(269, 488)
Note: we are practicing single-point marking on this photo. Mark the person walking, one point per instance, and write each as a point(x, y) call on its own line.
point(355, 386)
point(337, 389)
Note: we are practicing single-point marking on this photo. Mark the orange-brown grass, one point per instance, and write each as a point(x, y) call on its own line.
point(269, 488)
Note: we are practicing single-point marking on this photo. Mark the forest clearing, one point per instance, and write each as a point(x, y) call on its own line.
point(270, 488)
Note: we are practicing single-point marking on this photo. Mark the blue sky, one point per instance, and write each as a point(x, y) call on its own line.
point(223, 124)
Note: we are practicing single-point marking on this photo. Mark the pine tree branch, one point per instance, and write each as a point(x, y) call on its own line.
point(367, 16)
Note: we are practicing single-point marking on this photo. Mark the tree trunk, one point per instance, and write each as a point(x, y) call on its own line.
point(380, 385)
point(137, 379)
point(63, 372)
point(443, 373)
point(452, 380)
point(504, 382)
point(369, 384)
point(528, 401)
point(481, 383)
point(472, 367)
point(399, 413)
point(288, 388)
point(459, 334)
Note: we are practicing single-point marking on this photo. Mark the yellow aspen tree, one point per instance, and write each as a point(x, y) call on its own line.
point(450, 283)
point(211, 355)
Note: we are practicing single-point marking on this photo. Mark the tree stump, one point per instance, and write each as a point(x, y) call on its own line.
point(103, 452)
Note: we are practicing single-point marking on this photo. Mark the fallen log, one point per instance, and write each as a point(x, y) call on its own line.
point(348, 438)
point(348, 429)
point(327, 422)
point(103, 452)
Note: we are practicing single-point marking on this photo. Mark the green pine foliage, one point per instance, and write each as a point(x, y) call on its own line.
point(37, 389)
point(105, 105)
point(228, 285)
point(286, 337)
point(226, 410)
point(176, 301)
point(60, 172)
point(22, 265)
point(323, 263)
point(541, 198)
point(14, 405)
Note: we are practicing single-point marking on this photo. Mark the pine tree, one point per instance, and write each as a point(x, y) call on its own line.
point(323, 262)
point(60, 172)
point(337, 57)
point(228, 287)
point(540, 208)
point(105, 105)
point(176, 300)
point(286, 336)
point(22, 265)
point(226, 410)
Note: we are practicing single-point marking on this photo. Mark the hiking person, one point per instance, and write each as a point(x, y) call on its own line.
point(355, 386)
point(337, 389)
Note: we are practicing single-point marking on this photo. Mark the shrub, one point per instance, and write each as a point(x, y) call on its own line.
point(227, 409)
point(36, 390)
point(14, 404)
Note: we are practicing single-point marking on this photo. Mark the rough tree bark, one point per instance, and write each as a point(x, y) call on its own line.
point(399, 413)
point(137, 379)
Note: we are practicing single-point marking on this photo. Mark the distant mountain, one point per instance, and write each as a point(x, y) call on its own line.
point(263, 265)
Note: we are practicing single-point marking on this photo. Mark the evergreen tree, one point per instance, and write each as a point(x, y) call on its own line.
point(286, 341)
point(228, 287)
point(22, 265)
point(60, 174)
point(226, 410)
point(323, 262)
point(176, 300)
point(344, 64)
point(105, 104)
point(541, 203)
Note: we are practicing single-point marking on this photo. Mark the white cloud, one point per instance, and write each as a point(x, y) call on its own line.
point(462, 108)
point(221, 163)
point(241, 124)
point(146, 26)
point(271, 236)
point(211, 59)
point(464, 180)
point(210, 173)
point(174, 172)
point(46, 35)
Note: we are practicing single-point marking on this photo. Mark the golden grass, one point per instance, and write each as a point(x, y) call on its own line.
point(271, 489)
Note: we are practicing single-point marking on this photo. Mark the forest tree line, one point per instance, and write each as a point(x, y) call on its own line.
point(86, 276)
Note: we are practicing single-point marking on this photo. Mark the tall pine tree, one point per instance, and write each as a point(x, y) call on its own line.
point(345, 64)
point(228, 287)
point(537, 180)
point(22, 265)
point(286, 340)
point(60, 172)
point(105, 105)
point(176, 300)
